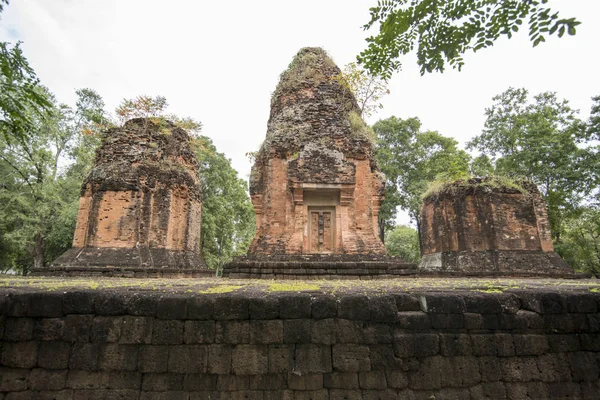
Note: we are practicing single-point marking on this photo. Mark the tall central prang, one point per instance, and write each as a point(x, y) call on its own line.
point(315, 185)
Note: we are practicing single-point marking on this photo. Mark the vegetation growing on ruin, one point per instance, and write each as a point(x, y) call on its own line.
point(312, 67)
point(153, 109)
point(293, 286)
point(303, 70)
point(368, 89)
point(220, 289)
point(359, 128)
point(377, 287)
point(445, 185)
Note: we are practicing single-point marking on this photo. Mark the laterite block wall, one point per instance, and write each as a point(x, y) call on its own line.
point(300, 346)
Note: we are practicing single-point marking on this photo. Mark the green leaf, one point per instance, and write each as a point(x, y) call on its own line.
point(561, 31)
point(444, 30)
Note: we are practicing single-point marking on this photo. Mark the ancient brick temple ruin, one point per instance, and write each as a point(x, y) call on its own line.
point(140, 208)
point(484, 227)
point(315, 185)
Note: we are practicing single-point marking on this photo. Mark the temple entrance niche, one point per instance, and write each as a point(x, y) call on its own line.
point(321, 225)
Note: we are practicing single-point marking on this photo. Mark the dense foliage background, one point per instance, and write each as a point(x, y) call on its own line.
point(47, 148)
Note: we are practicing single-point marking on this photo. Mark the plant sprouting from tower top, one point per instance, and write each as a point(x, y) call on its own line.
point(154, 109)
point(368, 89)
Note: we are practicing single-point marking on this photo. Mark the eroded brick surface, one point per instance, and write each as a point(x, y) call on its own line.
point(315, 184)
point(140, 208)
point(481, 228)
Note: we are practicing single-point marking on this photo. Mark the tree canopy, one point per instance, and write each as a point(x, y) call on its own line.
point(410, 159)
point(154, 108)
point(580, 244)
point(544, 141)
point(403, 241)
point(228, 220)
point(42, 171)
point(22, 100)
point(442, 31)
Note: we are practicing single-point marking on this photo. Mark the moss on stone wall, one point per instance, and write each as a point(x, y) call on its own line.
point(118, 344)
point(493, 183)
point(308, 67)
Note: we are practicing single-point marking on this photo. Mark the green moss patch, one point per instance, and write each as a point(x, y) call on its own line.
point(494, 183)
point(211, 286)
point(294, 286)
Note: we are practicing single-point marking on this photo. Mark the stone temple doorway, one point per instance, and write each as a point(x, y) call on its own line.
point(321, 230)
point(321, 220)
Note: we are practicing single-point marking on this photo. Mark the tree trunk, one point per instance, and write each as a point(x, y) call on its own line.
point(419, 234)
point(39, 249)
point(381, 226)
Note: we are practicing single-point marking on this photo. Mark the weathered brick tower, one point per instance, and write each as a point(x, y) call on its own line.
point(315, 185)
point(140, 208)
point(484, 227)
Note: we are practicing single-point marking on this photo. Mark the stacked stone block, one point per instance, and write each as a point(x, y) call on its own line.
point(89, 345)
point(318, 266)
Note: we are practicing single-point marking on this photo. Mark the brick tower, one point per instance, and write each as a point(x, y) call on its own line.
point(315, 184)
point(484, 227)
point(140, 208)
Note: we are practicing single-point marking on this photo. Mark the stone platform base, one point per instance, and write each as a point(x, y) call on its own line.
point(318, 266)
point(497, 263)
point(132, 263)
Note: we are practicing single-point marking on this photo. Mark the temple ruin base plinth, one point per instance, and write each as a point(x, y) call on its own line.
point(127, 262)
point(517, 263)
point(318, 266)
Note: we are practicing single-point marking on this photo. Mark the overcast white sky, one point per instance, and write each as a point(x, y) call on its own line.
point(219, 62)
